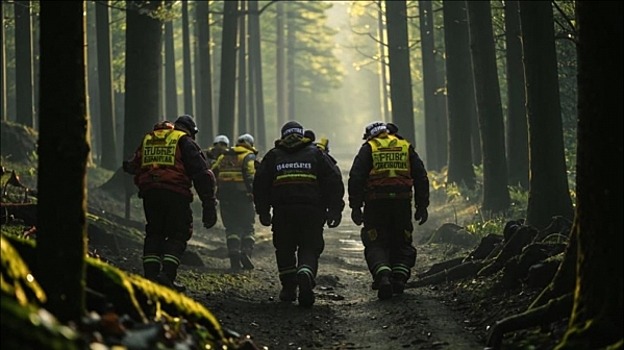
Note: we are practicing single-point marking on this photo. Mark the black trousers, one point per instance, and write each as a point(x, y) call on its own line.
point(387, 237)
point(298, 240)
point(238, 216)
point(169, 227)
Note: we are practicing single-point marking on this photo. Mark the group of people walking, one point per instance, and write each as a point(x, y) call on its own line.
point(296, 188)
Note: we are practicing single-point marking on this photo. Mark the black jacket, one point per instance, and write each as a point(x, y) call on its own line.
point(295, 171)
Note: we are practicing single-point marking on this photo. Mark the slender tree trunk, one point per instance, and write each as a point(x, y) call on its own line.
point(490, 111)
point(383, 66)
point(228, 70)
point(549, 193)
point(425, 11)
point(596, 320)
point(93, 81)
point(3, 87)
point(63, 151)
point(400, 76)
point(105, 78)
point(256, 60)
point(186, 58)
point(171, 86)
point(291, 53)
point(23, 64)
point(205, 118)
point(517, 136)
point(280, 65)
point(242, 71)
point(459, 89)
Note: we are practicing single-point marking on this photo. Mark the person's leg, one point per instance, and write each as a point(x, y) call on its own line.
point(310, 246)
point(375, 239)
point(154, 234)
point(248, 239)
point(230, 219)
point(285, 248)
point(180, 228)
point(402, 252)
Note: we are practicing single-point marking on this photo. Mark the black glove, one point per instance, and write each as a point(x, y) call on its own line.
point(333, 219)
point(356, 216)
point(209, 215)
point(421, 214)
point(265, 219)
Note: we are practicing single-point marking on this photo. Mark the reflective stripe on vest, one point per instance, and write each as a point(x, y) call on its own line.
point(159, 148)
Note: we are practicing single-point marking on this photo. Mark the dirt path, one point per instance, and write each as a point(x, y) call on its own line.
point(347, 313)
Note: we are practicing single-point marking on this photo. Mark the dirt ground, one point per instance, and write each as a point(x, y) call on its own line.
point(347, 313)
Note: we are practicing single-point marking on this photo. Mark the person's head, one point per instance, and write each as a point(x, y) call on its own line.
point(221, 140)
point(292, 128)
point(245, 139)
point(163, 124)
point(373, 129)
point(186, 122)
point(310, 135)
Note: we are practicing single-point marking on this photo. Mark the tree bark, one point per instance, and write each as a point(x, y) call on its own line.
point(23, 65)
point(171, 85)
point(400, 75)
point(596, 319)
point(228, 70)
point(242, 71)
point(205, 118)
point(490, 112)
point(63, 151)
point(549, 194)
point(460, 94)
point(186, 59)
point(255, 57)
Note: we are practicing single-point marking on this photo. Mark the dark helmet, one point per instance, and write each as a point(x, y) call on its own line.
point(392, 128)
point(187, 122)
point(309, 134)
point(292, 127)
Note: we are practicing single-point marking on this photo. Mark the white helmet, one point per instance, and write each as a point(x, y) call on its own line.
point(222, 139)
point(246, 138)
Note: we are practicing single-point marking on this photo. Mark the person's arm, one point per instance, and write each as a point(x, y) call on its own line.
point(358, 176)
point(421, 181)
point(249, 171)
point(262, 183)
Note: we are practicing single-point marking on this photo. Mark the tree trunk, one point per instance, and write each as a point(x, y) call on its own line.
point(596, 320)
point(171, 90)
point(490, 111)
point(549, 194)
point(107, 114)
point(425, 11)
point(291, 52)
point(228, 70)
point(242, 71)
point(23, 64)
point(63, 150)
point(4, 110)
point(143, 80)
point(186, 59)
point(516, 136)
point(461, 101)
point(383, 66)
point(204, 65)
point(255, 57)
point(400, 76)
point(280, 65)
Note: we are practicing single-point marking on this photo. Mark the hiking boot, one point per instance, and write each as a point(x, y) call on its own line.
point(385, 287)
point(235, 263)
point(288, 293)
point(398, 285)
point(375, 285)
point(306, 295)
point(245, 260)
point(164, 280)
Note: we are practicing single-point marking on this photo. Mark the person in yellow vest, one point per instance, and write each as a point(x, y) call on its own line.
point(381, 179)
point(235, 171)
point(165, 167)
point(220, 144)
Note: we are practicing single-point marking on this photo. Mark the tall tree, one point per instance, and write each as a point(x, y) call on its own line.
point(490, 111)
point(400, 76)
point(549, 193)
point(23, 64)
point(105, 79)
point(425, 11)
point(280, 64)
point(186, 59)
point(255, 57)
point(383, 65)
point(204, 65)
point(460, 93)
point(228, 69)
point(291, 54)
point(171, 85)
point(3, 87)
point(242, 71)
point(63, 150)
point(142, 83)
point(596, 319)
point(517, 137)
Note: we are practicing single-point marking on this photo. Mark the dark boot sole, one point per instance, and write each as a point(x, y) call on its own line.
point(385, 291)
